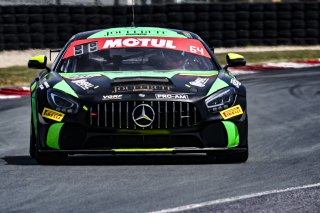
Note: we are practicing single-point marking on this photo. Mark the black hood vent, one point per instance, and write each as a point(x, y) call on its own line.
point(141, 84)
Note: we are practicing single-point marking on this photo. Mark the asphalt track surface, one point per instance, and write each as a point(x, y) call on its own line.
point(284, 138)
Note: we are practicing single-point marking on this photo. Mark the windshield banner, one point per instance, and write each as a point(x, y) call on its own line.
point(80, 47)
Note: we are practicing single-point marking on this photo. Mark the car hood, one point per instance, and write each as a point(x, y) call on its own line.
point(194, 83)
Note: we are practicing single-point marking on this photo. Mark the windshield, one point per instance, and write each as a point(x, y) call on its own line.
point(136, 54)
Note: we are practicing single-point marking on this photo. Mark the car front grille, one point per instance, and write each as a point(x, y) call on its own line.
point(167, 114)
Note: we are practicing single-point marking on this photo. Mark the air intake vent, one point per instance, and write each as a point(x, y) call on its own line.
point(167, 115)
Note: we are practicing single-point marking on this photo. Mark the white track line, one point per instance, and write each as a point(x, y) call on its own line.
point(240, 72)
point(292, 65)
point(9, 96)
point(232, 199)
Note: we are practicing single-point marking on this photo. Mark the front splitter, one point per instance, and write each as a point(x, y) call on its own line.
point(148, 150)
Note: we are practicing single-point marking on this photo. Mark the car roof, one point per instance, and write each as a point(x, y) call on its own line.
point(135, 31)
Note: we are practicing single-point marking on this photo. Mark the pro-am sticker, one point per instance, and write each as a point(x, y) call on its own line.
point(111, 97)
point(172, 96)
point(231, 112)
point(52, 114)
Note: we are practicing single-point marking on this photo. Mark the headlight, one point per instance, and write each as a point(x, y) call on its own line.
point(221, 100)
point(62, 103)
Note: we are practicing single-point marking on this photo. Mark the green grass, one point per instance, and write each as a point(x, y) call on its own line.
point(22, 76)
point(16, 76)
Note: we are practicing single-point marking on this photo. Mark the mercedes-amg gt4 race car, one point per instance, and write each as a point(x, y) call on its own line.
point(137, 90)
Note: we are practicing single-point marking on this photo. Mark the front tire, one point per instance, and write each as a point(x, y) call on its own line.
point(239, 157)
point(32, 143)
point(46, 158)
point(50, 158)
point(43, 158)
point(235, 157)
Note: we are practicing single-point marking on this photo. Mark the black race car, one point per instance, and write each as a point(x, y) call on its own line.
point(137, 90)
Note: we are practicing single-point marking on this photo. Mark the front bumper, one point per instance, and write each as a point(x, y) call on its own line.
point(209, 136)
point(106, 133)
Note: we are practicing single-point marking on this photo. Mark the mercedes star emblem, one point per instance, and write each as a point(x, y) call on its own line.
point(143, 115)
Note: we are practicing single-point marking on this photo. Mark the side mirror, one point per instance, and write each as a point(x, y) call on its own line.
point(38, 62)
point(235, 60)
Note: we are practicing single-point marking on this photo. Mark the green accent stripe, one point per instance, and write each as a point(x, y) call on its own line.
point(217, 85)
point(33, 86)
point(136, 31)
point(233, 133)
point(53, 135)
point(123, 74)
point(64, 86)
point(34, 113)
point(145, 150)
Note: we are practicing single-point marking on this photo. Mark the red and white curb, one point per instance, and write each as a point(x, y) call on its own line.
point(275, 66)
point(10, 93)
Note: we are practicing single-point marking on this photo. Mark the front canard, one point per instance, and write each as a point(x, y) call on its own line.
point(52, 114)
point(231, 112)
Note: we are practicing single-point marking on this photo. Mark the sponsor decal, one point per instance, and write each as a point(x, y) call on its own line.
point(79, 77)
point(199, 82)
point(235, 82)
point(172, 96)
point(83, 83)
point(111, 97)
point(139, 42)
point(231, 112)
point(44, 85)
point(140, 88)
point(52, 114)
point(79, 47)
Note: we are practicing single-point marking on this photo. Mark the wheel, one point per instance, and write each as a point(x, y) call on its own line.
point(43, 158)
point(50, 158)
point(32, 145)
point(240, 157)
point(236, 157)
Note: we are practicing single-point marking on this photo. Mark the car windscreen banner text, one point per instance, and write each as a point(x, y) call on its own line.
point(80, 47)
